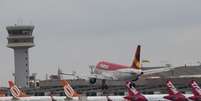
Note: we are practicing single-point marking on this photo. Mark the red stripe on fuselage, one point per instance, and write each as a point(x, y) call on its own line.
point(109, 66)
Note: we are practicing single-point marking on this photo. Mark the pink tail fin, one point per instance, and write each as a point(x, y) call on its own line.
point(195, 88)
point(171, 89)
point(131, 90)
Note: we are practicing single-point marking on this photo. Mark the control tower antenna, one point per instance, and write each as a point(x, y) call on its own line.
point(20, 39)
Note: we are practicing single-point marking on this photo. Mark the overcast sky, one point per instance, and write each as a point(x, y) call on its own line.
point(72, 34)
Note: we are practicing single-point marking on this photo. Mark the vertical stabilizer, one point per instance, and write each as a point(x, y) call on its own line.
point(195, 88)
point(133, 94)
point(171, 89)
point(136, 62)
point(15, 91)
point(68, 90)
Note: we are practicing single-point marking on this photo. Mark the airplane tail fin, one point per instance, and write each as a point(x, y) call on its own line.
point(195, 88)
point(133, 93)
point(68, 90)
point(136, 62)
point(15, 91)
point(131, 89)
point(171, 88)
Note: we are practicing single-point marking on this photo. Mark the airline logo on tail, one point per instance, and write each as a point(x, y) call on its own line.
point(171, 89)
point(196, 89)
point(15, 91)
point(136, 62)
point(68, 90)
point(133, 94)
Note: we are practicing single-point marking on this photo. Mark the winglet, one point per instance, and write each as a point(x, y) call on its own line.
point(136, 62)
point(68, 90)
point(15, 91)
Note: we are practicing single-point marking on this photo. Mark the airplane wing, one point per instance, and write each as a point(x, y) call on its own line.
point(105, 76)
point(152, 71)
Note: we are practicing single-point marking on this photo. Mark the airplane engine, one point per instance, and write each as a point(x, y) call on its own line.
point(92, 80)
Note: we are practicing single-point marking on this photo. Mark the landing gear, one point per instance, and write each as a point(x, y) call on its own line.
point(104, 85)
point(137, 78)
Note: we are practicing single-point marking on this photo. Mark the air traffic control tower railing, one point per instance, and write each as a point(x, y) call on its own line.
point(20, 39)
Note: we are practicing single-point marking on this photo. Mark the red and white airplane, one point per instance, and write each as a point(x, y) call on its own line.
point(111, 71)
point(174, 94)
point(196, 91)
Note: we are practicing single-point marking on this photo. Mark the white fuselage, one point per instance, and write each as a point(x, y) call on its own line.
point(119, 74)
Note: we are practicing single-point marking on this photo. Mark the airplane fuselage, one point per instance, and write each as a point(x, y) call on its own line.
point(116, 71)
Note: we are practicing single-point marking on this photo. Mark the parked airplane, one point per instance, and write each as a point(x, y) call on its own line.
point(20, 95)
point(72, 95)
point(15, 91)
point(174, 94)
point(196, 91)
point(133, 95)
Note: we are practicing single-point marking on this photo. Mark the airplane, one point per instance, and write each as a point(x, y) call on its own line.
point(18, 94)
point(110, 71)
point(196, 91)
point(174, 94)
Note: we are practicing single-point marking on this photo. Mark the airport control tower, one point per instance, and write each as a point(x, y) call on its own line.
point(20, 39)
